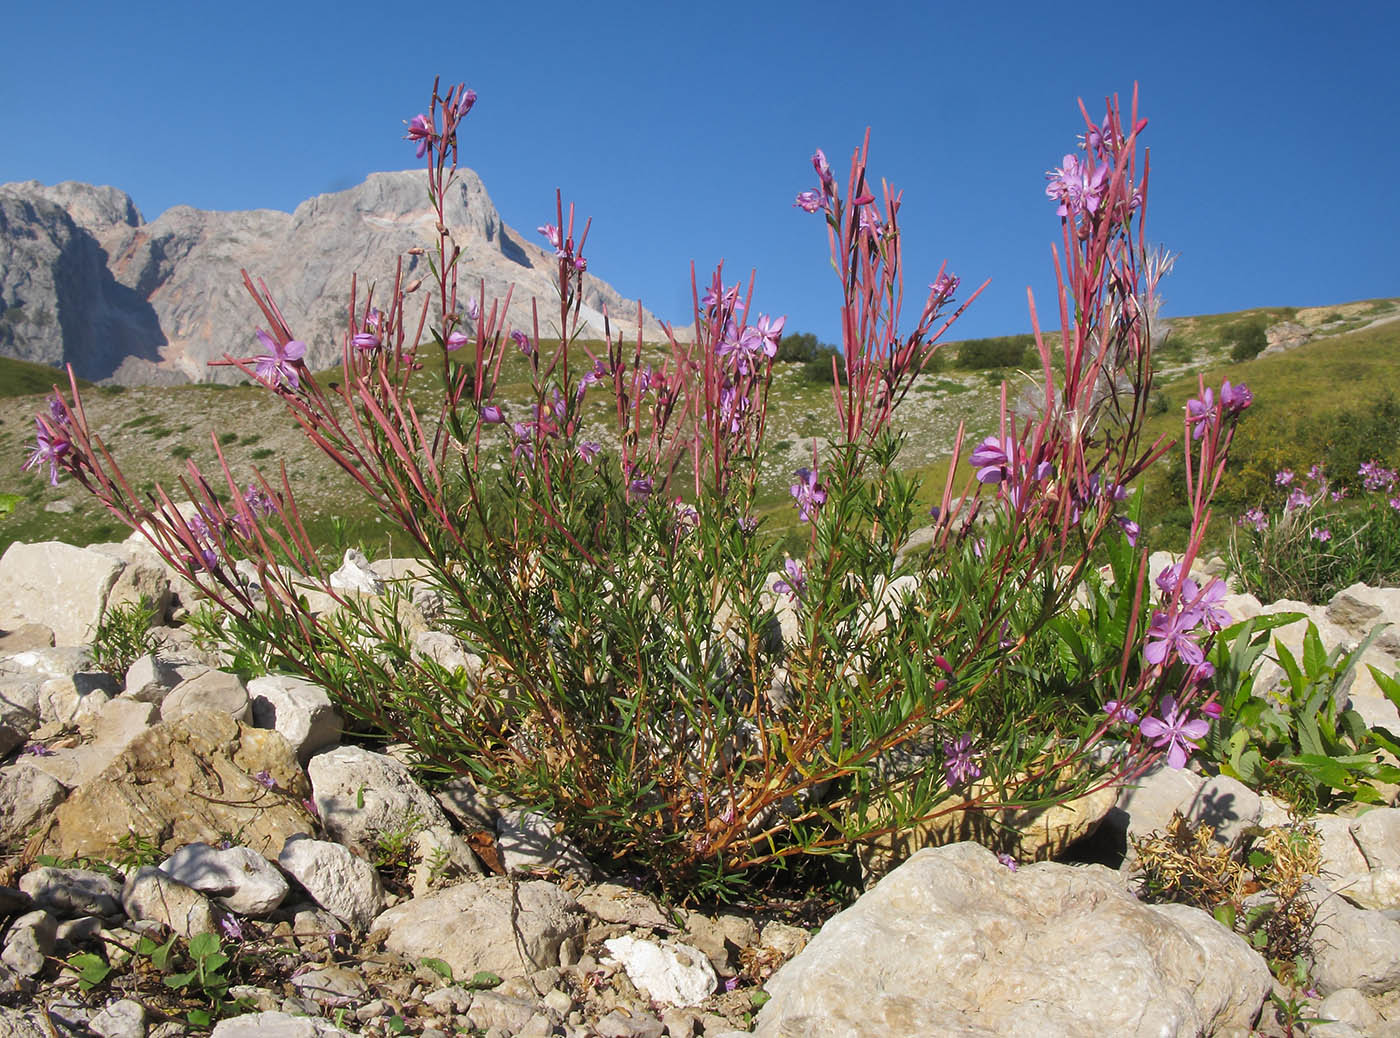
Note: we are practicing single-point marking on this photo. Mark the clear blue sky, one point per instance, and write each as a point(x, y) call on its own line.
point(684, 130)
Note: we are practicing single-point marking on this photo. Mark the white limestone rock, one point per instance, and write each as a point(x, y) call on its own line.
point(665, 971)
point(342, 884)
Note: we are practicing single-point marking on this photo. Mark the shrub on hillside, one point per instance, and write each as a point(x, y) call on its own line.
point(1006, 351)
point(1247, 338)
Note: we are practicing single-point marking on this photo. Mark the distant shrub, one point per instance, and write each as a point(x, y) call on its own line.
point(819, 368)
point(797, 348)
point(1247, 339)
point(1006, 351)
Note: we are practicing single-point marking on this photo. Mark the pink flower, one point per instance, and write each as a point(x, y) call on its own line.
point(1201, 412)
point(1170, 632)
point(809, 201)
point(421, 130)
point(279, 365)
point(1235, 399)
point(809, 493)
point(1321, 533)
point(455, 341)
point(991, 458)
point(959, 760)
point(49, 448)
point(588, 450)
point(492, 415)
point(795, 585)
point(1075, 188)
point(1283, 477)
point(1174, 732)
point(1119, 711)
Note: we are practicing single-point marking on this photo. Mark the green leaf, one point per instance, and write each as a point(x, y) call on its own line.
point(442, 969)
point(202, 945)
point(91, 969)
point(180, 980)
point(1225, 915)
point(158, 954)
point(1314, 655)
point(483, 980)
point(199, 1017)
point(397, 1024)
point(214, 961)
point(1389, 684)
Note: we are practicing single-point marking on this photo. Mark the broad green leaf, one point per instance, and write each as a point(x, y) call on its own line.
point(1314, 655)
point(203, 945)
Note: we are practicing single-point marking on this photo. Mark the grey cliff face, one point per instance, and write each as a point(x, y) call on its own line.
point(85, 280)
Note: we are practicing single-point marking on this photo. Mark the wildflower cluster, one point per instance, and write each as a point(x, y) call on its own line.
point(653, 671)
point(1316, 536)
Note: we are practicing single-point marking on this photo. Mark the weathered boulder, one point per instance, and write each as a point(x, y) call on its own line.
point(364, 796)
point(953, 942)
point(214, 691)
point(343, 884)
point(150, 894)
point(515, 929)
point(57, 585)
point(301, 710)
point(192, 781)
point(239, 878)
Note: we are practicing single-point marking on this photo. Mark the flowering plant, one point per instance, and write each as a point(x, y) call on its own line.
point(627, 650)
point(1316, 537)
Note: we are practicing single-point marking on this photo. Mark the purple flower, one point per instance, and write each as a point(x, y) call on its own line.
point(992, 460)
point(809, 201)
point(258, 501)
point(1254, 517)
point(48, 448)
point(1235, 399)
point(768, 333)
point(455, 341)
point(640, 488)
point(1007, 860)
point(492, 415)
point(1118, 711)
point(1375, 477)
point(421, 130)
point(721, 296)
point(523, 341)
point(38, 749)
point(1321, 533)
point(311, 808)
point(795, 585)
point(1394, 503)
point(944, 286)
point(279, 364)
point(1075, 188)
point(264, 778)
point(366, 341)
point(1207, 604)
point(1297, 498)
point(1130, 530)
point(1201, 412)
point(1173, 732)
point(58, 414)
point(959, 761)
point(1283, 477)
point(823, 170)
point(465, 103)
point(588, 450)
point(1169, 632)
point(472, 309)
point(809, 493)
point(230, 927)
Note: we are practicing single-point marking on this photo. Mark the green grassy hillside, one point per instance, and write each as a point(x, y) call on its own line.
point(1309, 401)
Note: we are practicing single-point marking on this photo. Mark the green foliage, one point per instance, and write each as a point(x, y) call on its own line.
point(195, 973)
point(8, 503)
point(1247, 338)
point(797, 348)
point(24, 378)
point(818, 368)
point(123, 636)
point(1005, 351)
point(1298, 741)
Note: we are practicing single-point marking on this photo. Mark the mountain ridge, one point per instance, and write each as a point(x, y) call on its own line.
point(86, 280)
